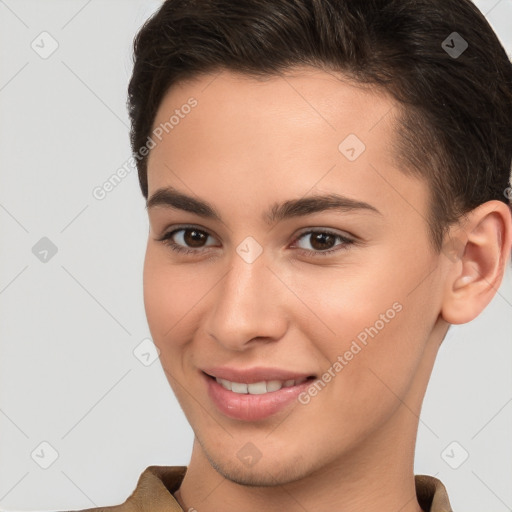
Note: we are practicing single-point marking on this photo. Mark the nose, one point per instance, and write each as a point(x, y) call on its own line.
point(248, 306)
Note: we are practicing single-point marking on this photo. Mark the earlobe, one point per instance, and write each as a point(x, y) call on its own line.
point(476, 253)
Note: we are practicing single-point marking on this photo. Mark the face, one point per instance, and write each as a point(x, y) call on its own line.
point(301, 260)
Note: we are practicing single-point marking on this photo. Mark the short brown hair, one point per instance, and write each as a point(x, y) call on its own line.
point(456, 124)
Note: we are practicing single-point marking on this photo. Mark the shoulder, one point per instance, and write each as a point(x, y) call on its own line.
point(153, 492)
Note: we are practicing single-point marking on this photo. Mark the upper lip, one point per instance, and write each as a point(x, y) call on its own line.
point(256, 374)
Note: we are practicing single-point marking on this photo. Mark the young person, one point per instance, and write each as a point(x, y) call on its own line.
point(326, 185)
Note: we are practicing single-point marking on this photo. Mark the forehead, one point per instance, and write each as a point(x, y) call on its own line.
point(306, 100)
point(303, 132)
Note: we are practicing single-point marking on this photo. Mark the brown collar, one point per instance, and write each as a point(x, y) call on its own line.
point(157, 483)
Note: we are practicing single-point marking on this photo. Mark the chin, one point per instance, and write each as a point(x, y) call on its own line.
point(260, 477)
point(265, 473)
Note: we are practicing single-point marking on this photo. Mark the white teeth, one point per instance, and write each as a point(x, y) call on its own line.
point(274, 385)
point(258, 388)
point(239, 387)
point(225, 383)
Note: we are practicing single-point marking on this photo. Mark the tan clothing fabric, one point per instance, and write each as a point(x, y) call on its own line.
point(157, 483)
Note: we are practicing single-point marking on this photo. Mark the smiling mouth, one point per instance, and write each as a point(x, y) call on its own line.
point(258, 399)
point(259, 388)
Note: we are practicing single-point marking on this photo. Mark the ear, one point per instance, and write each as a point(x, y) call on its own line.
point(478, 252)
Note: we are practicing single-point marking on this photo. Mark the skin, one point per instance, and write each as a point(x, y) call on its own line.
point(247, 145)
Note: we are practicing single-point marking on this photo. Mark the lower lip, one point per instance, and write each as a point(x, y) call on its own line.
point(247, 407)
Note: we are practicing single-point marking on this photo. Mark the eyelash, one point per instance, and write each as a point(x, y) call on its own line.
point(347, 242)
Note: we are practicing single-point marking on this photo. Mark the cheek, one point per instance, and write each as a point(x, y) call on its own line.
point(168, 301)
point(174, 298)
point(168, 295)
point(347, 300)
point(373, 316)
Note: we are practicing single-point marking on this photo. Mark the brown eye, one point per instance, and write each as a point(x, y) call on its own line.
point(322, 243)
point(194, 238)
point(187, 240)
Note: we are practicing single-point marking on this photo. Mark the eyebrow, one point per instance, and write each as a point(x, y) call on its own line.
point(169, 197)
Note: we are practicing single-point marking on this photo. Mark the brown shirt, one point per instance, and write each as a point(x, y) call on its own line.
point(157, 483)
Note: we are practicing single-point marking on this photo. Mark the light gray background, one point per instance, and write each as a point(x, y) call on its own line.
point(68, 327)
